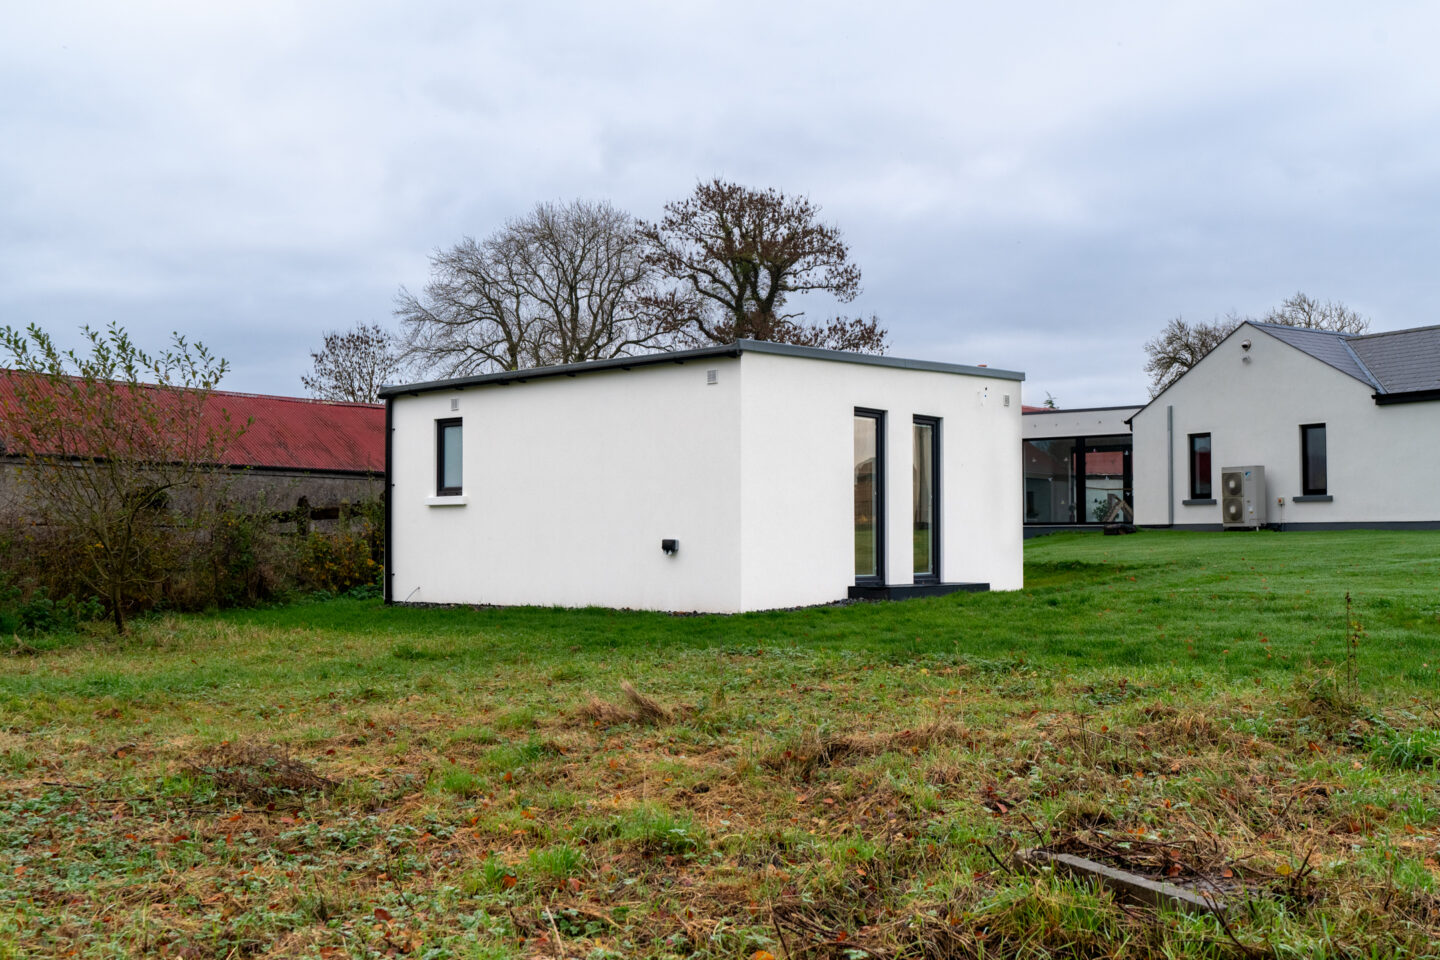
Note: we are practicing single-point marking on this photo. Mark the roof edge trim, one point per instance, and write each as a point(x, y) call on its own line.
point(703, 353)
point(1412, 396)
point(1119, 406)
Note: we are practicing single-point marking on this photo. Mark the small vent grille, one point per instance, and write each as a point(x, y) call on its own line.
point(1007, 399)
point(454, 404)
point(712, 376)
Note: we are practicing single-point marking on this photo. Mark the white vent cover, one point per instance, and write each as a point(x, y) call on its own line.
point(712, 376)
point(454, 403)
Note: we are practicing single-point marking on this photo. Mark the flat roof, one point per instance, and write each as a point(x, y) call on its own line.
point(681, 356)
point(1047, 410)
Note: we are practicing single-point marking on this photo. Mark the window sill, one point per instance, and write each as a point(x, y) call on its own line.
point(1312, 498)
point(445, 501)
point(1198, 503)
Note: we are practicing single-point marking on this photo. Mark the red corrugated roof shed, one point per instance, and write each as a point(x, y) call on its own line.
point(303, 434)
point(286, 432)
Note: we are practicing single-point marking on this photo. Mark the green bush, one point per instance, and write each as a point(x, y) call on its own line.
point(337, 562)
point(243, 555)
point(27, 613)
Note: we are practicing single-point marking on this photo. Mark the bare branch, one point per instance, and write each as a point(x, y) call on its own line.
point(353, 365)
point(563, 284)
point(1181, 345)
point(737, 255)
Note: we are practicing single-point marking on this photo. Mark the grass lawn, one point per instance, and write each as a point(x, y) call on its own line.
point(339, 779)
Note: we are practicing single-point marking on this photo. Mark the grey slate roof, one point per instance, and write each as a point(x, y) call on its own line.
point(1324, 345)
point(1403, 361)
point(1393, 362)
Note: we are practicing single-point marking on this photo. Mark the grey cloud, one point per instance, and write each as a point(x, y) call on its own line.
point(1037, 187)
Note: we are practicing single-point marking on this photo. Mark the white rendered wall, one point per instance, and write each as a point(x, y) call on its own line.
point(1100, 422)
point(797, 462)
point(1382, 460)
point(570, 484)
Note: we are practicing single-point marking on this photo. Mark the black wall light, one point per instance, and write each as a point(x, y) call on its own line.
point(671, 547)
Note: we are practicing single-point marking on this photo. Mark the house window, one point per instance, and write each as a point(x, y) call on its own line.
point(869, 481)
point(1200, 466)
point(926, 498)
point(448, 479)
point(1050, 480)
point(1313, 479)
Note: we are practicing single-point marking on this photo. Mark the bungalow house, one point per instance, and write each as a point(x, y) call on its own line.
point(740, 477)
point(1323, 430)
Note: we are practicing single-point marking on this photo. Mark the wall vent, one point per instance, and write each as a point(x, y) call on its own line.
point(712, 376)
point(1007, 399)
point(454, 403)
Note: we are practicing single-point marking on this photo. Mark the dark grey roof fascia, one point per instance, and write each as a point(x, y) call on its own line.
point(844, 356)
point(1123, 406)
point(1412, 396)
point(560, 370)
point(703, 353)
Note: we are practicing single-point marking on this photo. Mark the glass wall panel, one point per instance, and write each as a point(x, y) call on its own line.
point(867, 496)
point(1105, 479)
point(923, 523)
point(1050, 495)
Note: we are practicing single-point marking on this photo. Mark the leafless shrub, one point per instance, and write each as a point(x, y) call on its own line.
point(257, 773)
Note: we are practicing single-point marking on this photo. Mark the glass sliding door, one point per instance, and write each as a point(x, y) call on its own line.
point(869, 481)
point(1107, 481)
point(1050, 481)
point(1079, 480)
point(925, 501)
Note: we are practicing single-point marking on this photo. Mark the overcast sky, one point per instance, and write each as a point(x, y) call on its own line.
point(1037, 186)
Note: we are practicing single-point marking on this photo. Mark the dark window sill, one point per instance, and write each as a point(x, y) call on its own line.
point(1313, 498)
point(1198, 503)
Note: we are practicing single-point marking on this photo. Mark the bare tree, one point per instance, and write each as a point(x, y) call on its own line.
point(1303, 311)
point(737, 256)
point(354, 364)
point(1181, 345)
point(120, 450)
point(563, 284)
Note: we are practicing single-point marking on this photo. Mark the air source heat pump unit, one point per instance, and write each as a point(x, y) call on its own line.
point(1242, 497)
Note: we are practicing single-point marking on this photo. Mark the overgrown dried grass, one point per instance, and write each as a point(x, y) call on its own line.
point(637, 708)
point(812, 749)
point(257, 773)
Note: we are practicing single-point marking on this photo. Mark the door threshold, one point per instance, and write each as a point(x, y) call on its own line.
point(904, 591)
